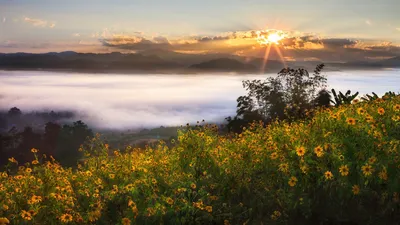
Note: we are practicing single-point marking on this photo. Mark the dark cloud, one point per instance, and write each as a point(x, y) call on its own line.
point(136, 43)
point(338, 42)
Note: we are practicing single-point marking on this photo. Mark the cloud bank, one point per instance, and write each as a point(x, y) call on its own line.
point(134, 101)
point(295, 45)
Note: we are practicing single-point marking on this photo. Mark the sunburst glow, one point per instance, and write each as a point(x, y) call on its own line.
point(270, 37)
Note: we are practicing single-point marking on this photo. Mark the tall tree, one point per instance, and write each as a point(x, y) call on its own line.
point(287, 96)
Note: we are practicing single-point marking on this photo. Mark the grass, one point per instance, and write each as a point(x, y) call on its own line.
point(340, 167)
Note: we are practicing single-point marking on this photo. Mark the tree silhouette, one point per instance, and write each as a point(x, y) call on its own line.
point(50, 137)
point(69, 140)
point(288, 96)
point(14, 112)
point(323, 99)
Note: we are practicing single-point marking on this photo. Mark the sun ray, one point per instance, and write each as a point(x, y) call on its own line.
point(280, 56)
point(265, 59)
point(269, 38)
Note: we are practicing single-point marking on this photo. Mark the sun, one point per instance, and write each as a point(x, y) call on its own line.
point(269, 37)
point(274, 38)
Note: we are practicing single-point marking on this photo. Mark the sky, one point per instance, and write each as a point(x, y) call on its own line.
point(312, 28)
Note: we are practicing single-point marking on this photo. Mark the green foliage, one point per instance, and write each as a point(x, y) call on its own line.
point(368, 97)
point(282, 173)
point(288, 96)
point(342, 99)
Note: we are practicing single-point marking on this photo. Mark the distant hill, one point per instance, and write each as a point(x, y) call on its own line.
point(224, 65)
point(269, 66)
point(186, 59)
point(392, 62)
point(85, 61)
point(164, 61)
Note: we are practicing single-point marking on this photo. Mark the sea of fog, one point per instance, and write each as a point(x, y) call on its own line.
point(115, 101)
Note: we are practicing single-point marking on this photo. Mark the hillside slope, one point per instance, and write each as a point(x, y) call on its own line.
point(279, 174)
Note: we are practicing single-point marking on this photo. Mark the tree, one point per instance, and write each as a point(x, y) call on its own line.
point(323, 99)
point(287, 96)
point(14, 112)
point(69, 140)
point(50, 137)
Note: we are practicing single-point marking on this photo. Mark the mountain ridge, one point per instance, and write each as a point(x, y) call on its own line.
point(166, 62)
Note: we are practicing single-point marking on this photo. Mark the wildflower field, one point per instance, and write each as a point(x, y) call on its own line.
point(341, 166)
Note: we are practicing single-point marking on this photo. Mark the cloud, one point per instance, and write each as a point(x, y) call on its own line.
point(39, 22)
point(294, 45)
point(398, 29)
point(4, 19)
point(368, 22)
point(125, 102)
point(76, 34)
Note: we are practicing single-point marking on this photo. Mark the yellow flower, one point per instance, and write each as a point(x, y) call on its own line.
point(12, 160)
point(383, 174)
point(351, 121)
point(26, 215)
point(396, 107)
point(300, 151)
point(226, 222)
point(34, 150)
point(193, 186)
point(28, 170)
point(131, 203)
point(292, 181)
point(328, 175)
point(65, 218)
point(126, 221)
point(319, 151)
point(367, 170)
point(372, 160)
point(369, 119)
point(209, 209)
point(355, 189)
point(112, 176)
point(4, 221)
point(360, 111)
point(284, 167)
point(36, 199)
point(277, 213)
point(304, 169)
point(170, 201)
point(381, 111)
point(5, 207)
point(129, 187)
point(344, 170)
point(274, 155)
